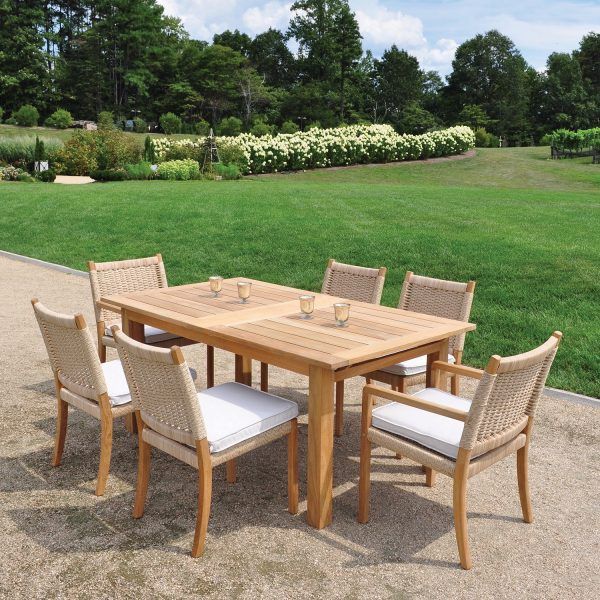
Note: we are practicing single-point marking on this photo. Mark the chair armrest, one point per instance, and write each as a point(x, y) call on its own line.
point(457, 369)
point(433, 407)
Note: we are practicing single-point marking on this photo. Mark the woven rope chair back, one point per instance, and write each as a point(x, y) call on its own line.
point(160, 387)
point(504, 401)
point(440, 298)
point(123, 277)
point(361, 284)
point(72, 352)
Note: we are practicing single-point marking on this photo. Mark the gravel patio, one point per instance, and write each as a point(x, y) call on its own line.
point(61, 541)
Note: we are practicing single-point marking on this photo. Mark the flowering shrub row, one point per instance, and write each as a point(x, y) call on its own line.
point(576, 141)
point(357, 144)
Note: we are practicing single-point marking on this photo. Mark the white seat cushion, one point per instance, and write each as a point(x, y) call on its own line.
point(413, 366)
point(116, 383)
point(234, 412)
point(436, 432)
point(151, 334)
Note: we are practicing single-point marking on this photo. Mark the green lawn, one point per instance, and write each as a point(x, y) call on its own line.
point(65, 134)
point(526, 228)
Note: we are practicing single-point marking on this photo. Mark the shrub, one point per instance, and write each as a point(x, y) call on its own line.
point(232, 154)
point(546, 140)
point(261, 128)
point(11, 121)
point(106, 120)
point(39, 150)
point(1, 114)
point(116, 174)
point(314, 125)
point(227, 171)
point(230, 126)
point(60, 119)
point(101, 150)
point(149, 153)
point(9, 173)
point(178, 170)
point(27, 116)
point(47, 176)
point(170, 123)
point(139, 125)
point(183, 152)
point(139, 171)
point(483, 139)
point(289, 127)
point(202, 127)
point(25, 177)
point(22, 148)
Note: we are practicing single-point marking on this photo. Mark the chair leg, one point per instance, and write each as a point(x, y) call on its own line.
point(143, 478)
point(106, 427)
point(460, 509)
point(364, 482)
point(231, 467)
point(264, 377)
point(339, 408)
point(455, 385)
point(61, 432)
point(293, 468)
point(102, 352)
point(204, 497)
point(210, 366)
point(523, 480)
point(430, 476)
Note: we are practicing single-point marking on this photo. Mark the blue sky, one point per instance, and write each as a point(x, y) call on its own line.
point(429, 29)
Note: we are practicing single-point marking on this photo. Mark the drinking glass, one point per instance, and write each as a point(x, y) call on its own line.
point(342, 313)
point(307, 305)
point(244, 291)
point(216, 283)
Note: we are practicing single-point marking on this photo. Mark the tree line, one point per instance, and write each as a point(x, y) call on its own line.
point(129, 58)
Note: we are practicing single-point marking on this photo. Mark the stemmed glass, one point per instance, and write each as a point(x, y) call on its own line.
point(244, 291)
point(342, 313)
point(307, 305)
point(216, 283)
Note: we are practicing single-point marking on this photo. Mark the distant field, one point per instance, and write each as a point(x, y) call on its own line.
point(65, 134)
point(526, 228)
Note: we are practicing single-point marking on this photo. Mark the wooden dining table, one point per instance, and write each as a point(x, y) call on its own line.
point(270, 328)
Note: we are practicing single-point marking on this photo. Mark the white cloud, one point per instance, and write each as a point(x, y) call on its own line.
point(273, 14)
point(440, 55)
point(384, 26)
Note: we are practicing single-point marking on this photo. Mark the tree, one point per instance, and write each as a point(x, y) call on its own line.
point(588, 56)
point(399, 82)
point(415, 119)
point(236, 40)
point(272, 59)
point(24, 76)
point(347, 48)
point(254, 93)
point(489, 71)
point(474, 116)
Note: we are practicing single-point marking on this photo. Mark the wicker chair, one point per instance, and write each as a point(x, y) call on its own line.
point(99, 389)
point(457, 437)
point(361, 284)
point(201, 429)
point(126, 276)
point(438, 297)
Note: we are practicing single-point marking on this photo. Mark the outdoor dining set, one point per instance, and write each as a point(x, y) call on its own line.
point(340, 333)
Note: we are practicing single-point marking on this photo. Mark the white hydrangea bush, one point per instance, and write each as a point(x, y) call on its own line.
point(317, 148)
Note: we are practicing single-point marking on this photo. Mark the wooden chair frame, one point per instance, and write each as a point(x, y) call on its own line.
point(463, 468)
point(374, 297)
point(103, 411)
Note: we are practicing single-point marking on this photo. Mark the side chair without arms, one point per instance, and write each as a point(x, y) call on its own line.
point(458, 437)
point(361, 284)
point(127, 276)
point(99, 389)
point(203, 429)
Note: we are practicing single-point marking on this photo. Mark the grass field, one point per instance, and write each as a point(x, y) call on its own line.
point(526, 228)
point(65, 134)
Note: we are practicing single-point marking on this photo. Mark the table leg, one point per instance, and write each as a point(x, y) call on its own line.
point(438, 380)
point(136, 331)
point(320, 448)
point(243, 369)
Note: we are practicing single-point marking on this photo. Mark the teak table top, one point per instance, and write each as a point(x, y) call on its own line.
point(271, 321)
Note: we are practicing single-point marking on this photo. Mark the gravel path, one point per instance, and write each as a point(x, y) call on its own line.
point(59, 541)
